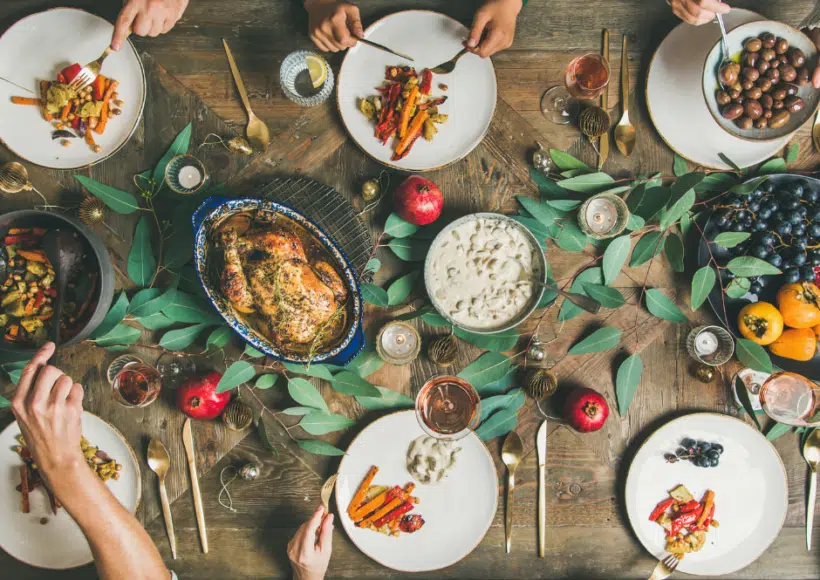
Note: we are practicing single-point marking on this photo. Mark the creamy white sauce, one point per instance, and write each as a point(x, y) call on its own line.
point(482, 272)
point(429, 460)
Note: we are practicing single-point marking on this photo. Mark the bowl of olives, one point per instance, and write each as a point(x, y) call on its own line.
point(765, 92)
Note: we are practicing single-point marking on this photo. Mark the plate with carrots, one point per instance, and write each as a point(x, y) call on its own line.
point(42, 119)
point(402, 114)
point(402, 523)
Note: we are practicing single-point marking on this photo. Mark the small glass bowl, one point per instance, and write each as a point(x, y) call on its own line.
point(723, 351)
point(294, 64)
point(180, 169)
point(136, 385)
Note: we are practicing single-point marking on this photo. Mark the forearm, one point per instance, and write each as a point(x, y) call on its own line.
point(121, 546)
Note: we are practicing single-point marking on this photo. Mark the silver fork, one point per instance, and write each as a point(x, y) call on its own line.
point(449, 66)
point(327, 491)
point(91, 71)
point(665, 568)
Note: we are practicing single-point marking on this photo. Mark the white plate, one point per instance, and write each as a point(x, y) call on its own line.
point(457, 511)
point(430, 38)
point(674, 96)
point(37, 48)
point(750, 485)
point(59, 544)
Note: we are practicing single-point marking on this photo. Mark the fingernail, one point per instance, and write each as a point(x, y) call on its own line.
point(471, 43)
point(115, 46)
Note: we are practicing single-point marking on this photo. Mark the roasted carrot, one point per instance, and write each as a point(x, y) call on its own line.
point(708, 502)
point(89, 137)
point(358, 497)
point(380, 513)
point(65, 111)
point(375, 503)
point(34, 255)
point(25, 101)
point(24, 488)
point(413, 131)
point(109, 90)
point(407, 108)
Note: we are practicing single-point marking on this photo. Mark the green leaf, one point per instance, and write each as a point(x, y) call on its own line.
point(792, 152)
point(266, 381)
point(186, 308)
point(546, 186)
point(564, 205)
point(114, 316)
point(749, 186)
point(685, 224)
point(409, 249)
point(146, 303)
point(219, 337)
point(662, 307)
point(627, 381)
point(599, 341)
point(647, 202)
point(649, 246)
point(615, 257)
point(571, 237)
point(156, 321)
point(777, 430)
point(541, 211)
point(746, 401)
point(674, 252)
point(119, 201)
point(501, 385)
point(676, 210)
point(120, 334)
point(775, 165)
point(178, 147)
point(731, 239)
point(566, 162)
point(729, 162)
point(366, 362)
point(182, 337)
point(685, 183)
point(568, 309)
point(753, 355)
point(297, 411)
point(263, 434)
point(604, 295)
point(496, 342)
point(511, 401)
point(4, 402)
point(239, 372)
point(748, 266)
point(314, 370)
point(141, 298)
point(486, 369)
point(397, 227)
point(587, 183)
point(251, 352)
point(716, 183)
point(680, 166)
point(179, 250)
point(500, 423)
point(321, 423)
point(306, 394)
point(535, 227)
point(375, 295)
point(401, 288)
point(634, 222)
point(413, 314)
point(141, 262)
point(348, 383)
point(389, 399)
point(738, 288)
point(318, 447)
point(702, 283)
point(373, 265)
point(434, 319)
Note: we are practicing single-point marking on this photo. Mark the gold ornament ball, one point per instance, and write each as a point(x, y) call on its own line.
point(541, 159)
point(239, 145)
point(237, 416)
point(92, 210)
point(248, 472)
point(13, 178)
point(443, 351)
point(540, 384)
point(371, 190)
point(537, 351)
point(594, 122)
point(704, 373)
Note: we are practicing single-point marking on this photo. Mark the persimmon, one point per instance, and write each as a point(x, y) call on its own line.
point(799, 303)
point(760, 322)
point(796, 344)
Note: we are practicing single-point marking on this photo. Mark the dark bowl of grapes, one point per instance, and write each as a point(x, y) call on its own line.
point(778, 224)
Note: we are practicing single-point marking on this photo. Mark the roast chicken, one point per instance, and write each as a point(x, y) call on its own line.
point(268, 273)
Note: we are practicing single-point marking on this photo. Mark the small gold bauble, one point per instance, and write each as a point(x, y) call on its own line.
point(14, 178)
point(537, 351)
point(248, 472)
point(92, 210)
point(239, 145)
point(594, 122)
point(371, 190)
point(541, 159)
point(237, 416)
point(705, 373)
point(540, 384)
point(443, 351)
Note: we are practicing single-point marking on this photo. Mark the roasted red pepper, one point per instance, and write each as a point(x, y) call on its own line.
point(684, 520)
point(70, 72)
point(432, 103)
point(411, 523)
point(426, 82)
point(689, 506)
point(39, 300)
point(399, 511)
point(61, 78)
point(75, 124)
point(660, 508)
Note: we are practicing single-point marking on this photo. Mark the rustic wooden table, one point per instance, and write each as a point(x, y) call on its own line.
point(588, 535)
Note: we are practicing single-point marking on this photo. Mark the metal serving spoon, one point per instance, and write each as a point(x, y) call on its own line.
point(65, 252)
point(811, 453)
point(256, 131)
point(511, 454)
point(581, 301)
point(724, 44)
point(160, 463)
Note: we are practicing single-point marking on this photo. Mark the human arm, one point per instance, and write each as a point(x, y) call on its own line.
point(493, 27)
point(698, 12)
point(333, 26)
point(309, 549)
point(146, 18)
point(48, 407)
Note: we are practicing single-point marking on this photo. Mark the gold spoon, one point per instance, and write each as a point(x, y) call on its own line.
point(511, 454)
point(160, 462)
point(256, 131)
point(624, 131)
point(811, 453)
point(327, 491)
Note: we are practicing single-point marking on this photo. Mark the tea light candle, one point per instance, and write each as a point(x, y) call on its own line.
point(398, 343)
point(189, 177)
point(706, 343)
point(601, 215)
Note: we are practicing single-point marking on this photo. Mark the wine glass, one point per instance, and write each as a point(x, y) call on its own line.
point(791, 399)
point(586, 77)
point(448, 408)
point(136, 385)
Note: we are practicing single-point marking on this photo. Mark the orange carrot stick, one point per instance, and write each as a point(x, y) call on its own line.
point(66, 110)
point(373, 504)
point(409, 104)
point(412, 131)
point(89, 137)
point(358, 497)
point(389, 507)
point(25, 101)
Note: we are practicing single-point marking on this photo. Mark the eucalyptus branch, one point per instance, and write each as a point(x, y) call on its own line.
point(271, 413)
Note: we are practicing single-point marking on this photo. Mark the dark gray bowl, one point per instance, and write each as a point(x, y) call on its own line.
point(97, 259)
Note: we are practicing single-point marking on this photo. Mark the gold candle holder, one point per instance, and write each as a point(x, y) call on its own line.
point(603, 216)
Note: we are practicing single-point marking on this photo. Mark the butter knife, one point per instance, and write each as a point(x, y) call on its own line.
point(541, 446)
point(815, 131)
point(188, 441)
point(603, 143)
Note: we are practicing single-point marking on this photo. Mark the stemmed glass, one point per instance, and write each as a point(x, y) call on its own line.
point(448, 408)
point(791, 399)
point(586, 77)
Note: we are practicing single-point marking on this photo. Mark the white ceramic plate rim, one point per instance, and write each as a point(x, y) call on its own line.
point(144, 93)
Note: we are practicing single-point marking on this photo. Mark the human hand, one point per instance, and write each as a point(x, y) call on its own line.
point(698, 12)
point(308, 555)
point(146, 18)
point(48, 405)
point(814, 35)
point(333, 26)
point(493, 27)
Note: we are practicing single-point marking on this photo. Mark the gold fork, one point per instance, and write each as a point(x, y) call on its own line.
point(665, 568)
point(327, 491)
point(91, 71)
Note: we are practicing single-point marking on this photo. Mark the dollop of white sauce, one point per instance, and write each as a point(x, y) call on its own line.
point(429, 460)
point(482, 272)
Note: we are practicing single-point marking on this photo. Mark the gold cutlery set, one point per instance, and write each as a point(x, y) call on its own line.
point(625, 134)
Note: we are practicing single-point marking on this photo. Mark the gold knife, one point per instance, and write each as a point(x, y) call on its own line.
point(603, 143)
point(188, 441)
point(815, 131)
point(541, 446)
point(384, 48)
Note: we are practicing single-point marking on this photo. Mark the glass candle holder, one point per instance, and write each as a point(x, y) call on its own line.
point(448, 407)
point(398, 343)
point(710, 345)
point(185, 175)
point(296, 82)
point(603, 216)
point(136, 385)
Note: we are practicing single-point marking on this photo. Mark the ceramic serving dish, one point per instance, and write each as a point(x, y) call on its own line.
point(737, 38)
point(96, 258)
point(539, 269)
point(210, 214)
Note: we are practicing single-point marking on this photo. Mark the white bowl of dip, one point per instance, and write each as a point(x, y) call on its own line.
point(480, 270)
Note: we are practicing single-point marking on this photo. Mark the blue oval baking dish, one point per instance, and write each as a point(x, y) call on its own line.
point(215, 210)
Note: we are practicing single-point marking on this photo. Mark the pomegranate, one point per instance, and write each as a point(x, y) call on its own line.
point(586, 410)
point(418, 200)
point(197, 397)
